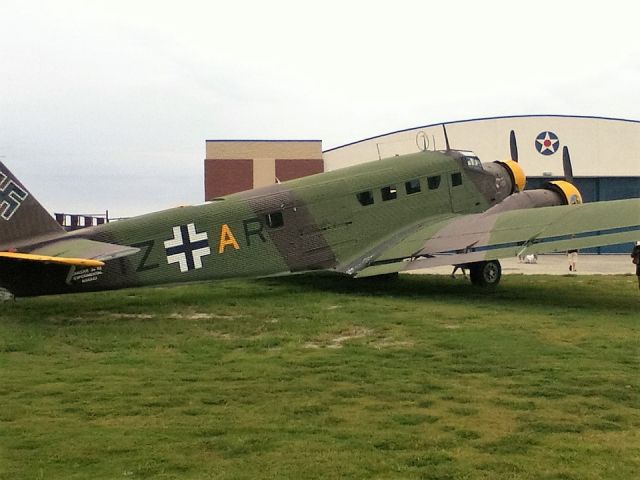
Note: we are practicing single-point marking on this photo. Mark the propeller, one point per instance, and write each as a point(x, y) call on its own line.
point(570, 193)
point(513, 146)
point(566, 165)
point(516, 173)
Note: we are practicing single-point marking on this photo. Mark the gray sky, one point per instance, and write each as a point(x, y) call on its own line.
point(107, 104)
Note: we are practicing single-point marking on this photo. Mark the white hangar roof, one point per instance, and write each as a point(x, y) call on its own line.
point(599, 147)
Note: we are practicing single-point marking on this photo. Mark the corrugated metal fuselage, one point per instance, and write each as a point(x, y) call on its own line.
point(317, 222)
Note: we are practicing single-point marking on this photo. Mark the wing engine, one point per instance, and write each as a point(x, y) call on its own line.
point(558, 192)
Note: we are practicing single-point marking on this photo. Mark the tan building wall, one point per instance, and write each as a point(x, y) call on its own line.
point(235, 165)
point(598, 146)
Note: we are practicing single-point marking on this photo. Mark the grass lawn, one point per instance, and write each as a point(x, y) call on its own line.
point(325, 377)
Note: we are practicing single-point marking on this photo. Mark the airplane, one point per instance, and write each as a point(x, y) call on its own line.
point(406, 212)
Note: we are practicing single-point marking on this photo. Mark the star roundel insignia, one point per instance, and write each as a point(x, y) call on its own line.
point(547, 143)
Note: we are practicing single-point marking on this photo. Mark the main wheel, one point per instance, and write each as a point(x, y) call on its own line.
point(486, 274)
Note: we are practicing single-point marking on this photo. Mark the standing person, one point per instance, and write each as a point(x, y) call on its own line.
point(572, 256)
point(635, 255)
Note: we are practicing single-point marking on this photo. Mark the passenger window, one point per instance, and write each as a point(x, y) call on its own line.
point(365, 198)
point(456, 179)
point(412, 186)
point(389, 193)
point(274, 220)
point(433, 182)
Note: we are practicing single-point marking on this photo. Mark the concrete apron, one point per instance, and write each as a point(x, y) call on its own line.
point(555, 265)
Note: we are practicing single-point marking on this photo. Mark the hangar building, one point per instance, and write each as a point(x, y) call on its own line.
point(605, 153)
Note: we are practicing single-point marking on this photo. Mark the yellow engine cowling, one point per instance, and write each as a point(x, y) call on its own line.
point(568, 191)
point(517, 174)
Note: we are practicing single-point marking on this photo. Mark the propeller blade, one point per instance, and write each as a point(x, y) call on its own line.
point(514, 146)
point(566, 165)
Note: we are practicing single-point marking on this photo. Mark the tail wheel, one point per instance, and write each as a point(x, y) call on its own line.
point(486, 274)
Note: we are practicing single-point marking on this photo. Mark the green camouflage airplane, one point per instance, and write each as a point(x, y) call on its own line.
point(407, 212)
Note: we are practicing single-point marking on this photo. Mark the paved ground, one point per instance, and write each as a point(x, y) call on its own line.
point(557, 265)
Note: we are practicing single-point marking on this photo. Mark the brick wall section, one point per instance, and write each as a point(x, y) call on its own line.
point(296, 168)
point(223, 177)
point(236, 165)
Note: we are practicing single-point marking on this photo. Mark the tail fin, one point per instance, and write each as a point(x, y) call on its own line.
point(21, 215)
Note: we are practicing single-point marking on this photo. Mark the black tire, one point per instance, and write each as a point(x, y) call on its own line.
point(486, 274)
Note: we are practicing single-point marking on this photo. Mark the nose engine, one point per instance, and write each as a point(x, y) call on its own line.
point(516, 174)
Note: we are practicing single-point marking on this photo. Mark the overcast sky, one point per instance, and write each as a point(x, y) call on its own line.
point(107, 104)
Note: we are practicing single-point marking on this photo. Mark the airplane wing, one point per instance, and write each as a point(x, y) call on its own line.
point(490, 236)
point(73, 251)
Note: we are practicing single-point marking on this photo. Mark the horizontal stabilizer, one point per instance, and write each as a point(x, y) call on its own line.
point(78, 262)
point(73, 251)
point(74, 247)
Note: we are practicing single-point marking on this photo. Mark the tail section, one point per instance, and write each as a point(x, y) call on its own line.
point(21, 215)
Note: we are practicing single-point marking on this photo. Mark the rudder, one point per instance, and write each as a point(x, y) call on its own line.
point(21, 215)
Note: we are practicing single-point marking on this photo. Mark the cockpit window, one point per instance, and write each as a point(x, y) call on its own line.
point(472, 162)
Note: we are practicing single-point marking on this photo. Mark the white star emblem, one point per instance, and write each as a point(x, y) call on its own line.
point(547, 145)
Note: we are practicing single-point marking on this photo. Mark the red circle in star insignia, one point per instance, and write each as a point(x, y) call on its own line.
point(547, 143)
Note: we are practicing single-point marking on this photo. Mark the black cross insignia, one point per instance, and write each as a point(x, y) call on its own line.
point(187, 247)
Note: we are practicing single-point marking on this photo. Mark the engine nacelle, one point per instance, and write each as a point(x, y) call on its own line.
point(554, 193)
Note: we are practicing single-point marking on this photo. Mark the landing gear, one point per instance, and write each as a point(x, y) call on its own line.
point(485, 274)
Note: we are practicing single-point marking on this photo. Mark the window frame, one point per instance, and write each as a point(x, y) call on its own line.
point(434, 181)
point(269, 219)
point(388, 193)
point(411, 187)
point(367, 200)
point(456, 179)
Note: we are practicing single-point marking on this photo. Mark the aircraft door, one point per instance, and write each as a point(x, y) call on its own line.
point(323, 227)
point(458, 194)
